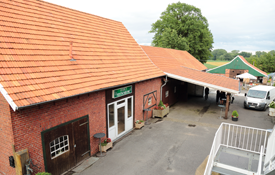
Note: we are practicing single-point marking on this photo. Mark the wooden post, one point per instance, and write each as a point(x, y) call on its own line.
point(227, 105)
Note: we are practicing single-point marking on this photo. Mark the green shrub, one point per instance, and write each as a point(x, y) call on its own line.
point(43, 173)
point(272, 105)
point(161, 104)
point(235, 114)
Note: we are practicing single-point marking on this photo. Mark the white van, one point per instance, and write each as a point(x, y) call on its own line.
point(259, 97)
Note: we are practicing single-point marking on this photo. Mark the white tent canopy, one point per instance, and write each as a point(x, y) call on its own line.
point(247, 75)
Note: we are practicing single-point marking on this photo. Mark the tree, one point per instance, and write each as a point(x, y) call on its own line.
point(217, 53)
point(245, 54)
point(182, 26)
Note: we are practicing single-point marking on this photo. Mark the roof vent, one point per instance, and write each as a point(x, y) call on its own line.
point(71, 50)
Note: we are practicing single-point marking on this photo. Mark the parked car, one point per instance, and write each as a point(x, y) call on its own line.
point(259, 97)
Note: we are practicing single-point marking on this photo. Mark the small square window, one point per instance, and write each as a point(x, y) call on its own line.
point(59, 146)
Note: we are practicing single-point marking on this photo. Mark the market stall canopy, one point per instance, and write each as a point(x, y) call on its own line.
point(247, 75)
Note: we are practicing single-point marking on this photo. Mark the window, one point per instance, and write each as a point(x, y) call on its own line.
point(129, 107)
point(59, 146)
point(175, 89)
point(111, 115)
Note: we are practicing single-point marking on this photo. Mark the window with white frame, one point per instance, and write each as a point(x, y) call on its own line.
point(59, 146)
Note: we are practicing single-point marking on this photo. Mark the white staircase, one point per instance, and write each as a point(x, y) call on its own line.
point(238, 150)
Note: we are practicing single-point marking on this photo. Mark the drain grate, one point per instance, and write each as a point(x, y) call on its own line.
point(190, 125)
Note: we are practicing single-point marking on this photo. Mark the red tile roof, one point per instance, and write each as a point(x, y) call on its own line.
point(246, 62)
point(34, 52)
point(183, 57)
point(171, 65)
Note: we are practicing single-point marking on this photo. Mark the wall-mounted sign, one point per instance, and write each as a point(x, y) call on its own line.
point(149, 101)
point(122, 91)
point(166, 93)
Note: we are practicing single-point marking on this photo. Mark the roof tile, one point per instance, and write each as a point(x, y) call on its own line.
point(174, 63)
point(34, 52)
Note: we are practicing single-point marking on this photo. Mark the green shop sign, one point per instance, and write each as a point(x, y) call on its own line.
point(122, 91)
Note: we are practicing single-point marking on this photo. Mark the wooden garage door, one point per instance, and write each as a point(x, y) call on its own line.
point(66, 145)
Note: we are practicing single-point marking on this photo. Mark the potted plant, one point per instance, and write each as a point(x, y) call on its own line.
point(106, 145)
point(139, 124)
point(235, 115)
point(272, 109)
point(161, 110)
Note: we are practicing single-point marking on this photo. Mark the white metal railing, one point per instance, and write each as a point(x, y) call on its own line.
point(239, 137)
point(269, 163)
point(215, 147)
point(259, 172)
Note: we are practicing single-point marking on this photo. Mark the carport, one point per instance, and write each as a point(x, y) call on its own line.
point(200, 85)
point(182, 66)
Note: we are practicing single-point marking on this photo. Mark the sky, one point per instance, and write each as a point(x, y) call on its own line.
point(245, 25)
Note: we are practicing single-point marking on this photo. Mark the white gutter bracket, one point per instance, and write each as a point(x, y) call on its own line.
point(8, 98)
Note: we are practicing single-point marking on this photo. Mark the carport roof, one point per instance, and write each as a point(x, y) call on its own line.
point(175, 69)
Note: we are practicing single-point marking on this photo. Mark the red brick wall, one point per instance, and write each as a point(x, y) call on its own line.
point(6, 137)
point(172, 96)
point(141, 89)
point(30, 122)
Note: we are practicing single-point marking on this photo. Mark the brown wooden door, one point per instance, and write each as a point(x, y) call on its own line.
point(58, 163)
point(82, 148)
point(66, 145)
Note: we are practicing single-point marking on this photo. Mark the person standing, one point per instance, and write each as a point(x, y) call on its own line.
point(217, 96)
point(206, 93)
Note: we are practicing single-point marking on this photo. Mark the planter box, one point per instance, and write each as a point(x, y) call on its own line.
point(105, 148)
point(138, 126)
point(272, 112)
point(160, 113)
point(234, 119)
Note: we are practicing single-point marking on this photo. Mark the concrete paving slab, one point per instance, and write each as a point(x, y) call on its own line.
point(84, 165)
point(171, 146)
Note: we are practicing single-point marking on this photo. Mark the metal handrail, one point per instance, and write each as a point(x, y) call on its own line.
point(238, 137)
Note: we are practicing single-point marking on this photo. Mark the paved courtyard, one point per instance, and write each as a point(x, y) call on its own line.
point(171, 146)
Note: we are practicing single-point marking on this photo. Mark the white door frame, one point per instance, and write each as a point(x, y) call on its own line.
point(113, 131)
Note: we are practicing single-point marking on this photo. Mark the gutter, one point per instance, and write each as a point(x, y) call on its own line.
point(8, 98)
point(21, 107)
point(161, 88)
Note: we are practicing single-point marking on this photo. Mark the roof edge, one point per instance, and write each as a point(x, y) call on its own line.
point(35, 104)
point(250, 65)
point(8, 98)
point(201, 83)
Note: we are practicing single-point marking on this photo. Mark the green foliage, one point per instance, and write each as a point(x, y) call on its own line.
point(272, 105)
point(265, 62)
point(235, 114)
point(245, 54)
point(182, 26)
point(43, 173)
point(104, 144)
point(217, 53)
point(161, 104)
